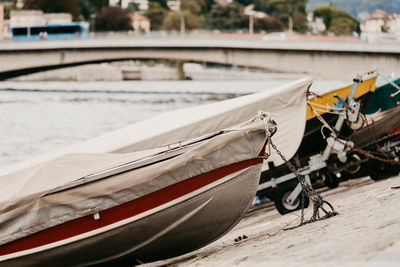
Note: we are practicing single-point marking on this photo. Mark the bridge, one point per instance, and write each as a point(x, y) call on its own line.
point(340, 60)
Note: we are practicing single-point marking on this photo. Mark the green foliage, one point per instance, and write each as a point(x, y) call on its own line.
point(86, 9)
point(343, 25)
point(193, 6)
point(7, 10)
point(268, 24)
point(113, 18)
point(156, 14)
point(229, 17)
point(173, 21)
point(89, 7)
point(206, 7)
point(162, 3)
point(283, 9)
point(55, 6)
point(336, 20)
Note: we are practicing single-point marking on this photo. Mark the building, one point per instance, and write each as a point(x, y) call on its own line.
point(58, 18)
point(380, 26)
point(23, 18)
point(140, 23)
point(20, 18)
point(316, 25)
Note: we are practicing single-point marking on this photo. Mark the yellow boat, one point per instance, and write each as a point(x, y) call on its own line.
point(328, 99)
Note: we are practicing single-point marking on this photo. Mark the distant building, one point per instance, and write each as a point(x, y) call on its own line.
point(380, 26)
point(316, 25)
point(20, 4)
point(20, 18)
point(140, 23)
point(58, 18)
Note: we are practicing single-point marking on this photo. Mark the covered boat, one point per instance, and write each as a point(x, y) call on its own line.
point(81, 206)
point(155, 204)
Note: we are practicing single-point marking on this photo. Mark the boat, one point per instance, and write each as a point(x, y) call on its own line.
point(385, 97)
point(174, 183)
point(377, 126)
point(313, 140)
point(277, 182)
point(84, 209)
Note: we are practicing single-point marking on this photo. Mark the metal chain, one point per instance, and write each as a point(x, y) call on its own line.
point(368, 155)
point(315, 197)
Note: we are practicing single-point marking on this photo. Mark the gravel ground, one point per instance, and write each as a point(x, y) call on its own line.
point(365, 233)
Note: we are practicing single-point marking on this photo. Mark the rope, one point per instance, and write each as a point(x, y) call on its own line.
point(326, 106)
point(323, 121)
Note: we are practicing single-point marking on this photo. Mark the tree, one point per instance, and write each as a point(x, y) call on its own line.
point(336, 20)
point(86, 8)
point(206, 7)
point(97, 5)
point(229, 17)
point(343, 25)
point(162, 3)
point(192, 6)
point(284, 9)
point(268, 24)
point(173, 21)
point(113, 18)
point(156, 14)
point(55, 6)
point(8, 9)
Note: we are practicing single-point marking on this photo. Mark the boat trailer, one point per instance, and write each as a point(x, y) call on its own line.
point(338, 155)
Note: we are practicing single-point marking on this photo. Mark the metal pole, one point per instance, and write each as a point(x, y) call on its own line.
point(251, 24)
point(182, 25)
point(290, 25)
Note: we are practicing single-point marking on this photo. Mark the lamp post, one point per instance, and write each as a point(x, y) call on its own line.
point(182, 20)
point(93, 18)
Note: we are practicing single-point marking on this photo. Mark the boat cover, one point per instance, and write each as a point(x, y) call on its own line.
point(287, 102)
point(29, 202)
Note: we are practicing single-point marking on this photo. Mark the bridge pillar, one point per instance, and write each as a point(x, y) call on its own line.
point(179, 70)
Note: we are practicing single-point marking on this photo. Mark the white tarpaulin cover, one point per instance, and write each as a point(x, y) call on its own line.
point(27, 207)
point(287, 102)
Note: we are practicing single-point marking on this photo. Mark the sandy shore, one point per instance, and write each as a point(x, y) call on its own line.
point(365, 233)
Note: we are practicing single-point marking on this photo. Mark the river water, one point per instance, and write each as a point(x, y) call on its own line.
point(38, 117)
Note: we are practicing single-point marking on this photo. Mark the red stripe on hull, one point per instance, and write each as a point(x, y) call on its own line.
point(124, 211)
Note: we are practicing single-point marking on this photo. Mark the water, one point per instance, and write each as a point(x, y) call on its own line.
point(38, 117)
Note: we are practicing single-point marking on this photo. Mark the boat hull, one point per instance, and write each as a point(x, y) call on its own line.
point(382, 125)
point(176, 230)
